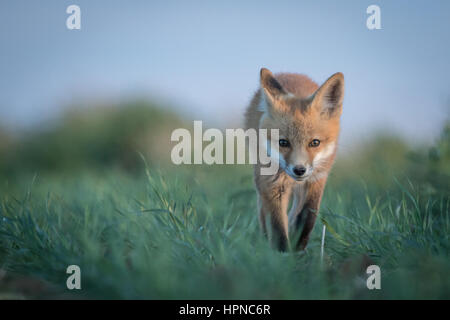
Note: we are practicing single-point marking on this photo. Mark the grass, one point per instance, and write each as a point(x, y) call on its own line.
point(188, 234)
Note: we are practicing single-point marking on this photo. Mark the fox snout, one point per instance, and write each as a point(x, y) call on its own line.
point(298, 163)
point(299, 170)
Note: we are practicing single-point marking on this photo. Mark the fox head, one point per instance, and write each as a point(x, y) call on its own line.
point(308, 126)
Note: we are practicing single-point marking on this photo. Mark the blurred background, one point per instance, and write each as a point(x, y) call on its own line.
point(135, 72)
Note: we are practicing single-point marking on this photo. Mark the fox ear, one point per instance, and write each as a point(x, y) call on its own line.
point(271, 89)
point(270, 85)
point(328, 98)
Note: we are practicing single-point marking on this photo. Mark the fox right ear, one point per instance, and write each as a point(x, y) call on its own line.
point(272, 91)
point(270, 85)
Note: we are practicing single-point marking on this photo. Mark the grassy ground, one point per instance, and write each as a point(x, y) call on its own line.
point(192, 232)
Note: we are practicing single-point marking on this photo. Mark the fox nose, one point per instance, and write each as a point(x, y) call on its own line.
point(299, 170)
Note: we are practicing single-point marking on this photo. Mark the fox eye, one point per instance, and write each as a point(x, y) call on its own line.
point(314, 143)
point(283, 143)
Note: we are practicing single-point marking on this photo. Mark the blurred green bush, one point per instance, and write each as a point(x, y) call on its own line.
point(92, 138)
point(113, 136)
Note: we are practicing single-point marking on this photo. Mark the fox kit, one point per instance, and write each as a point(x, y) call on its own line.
point(307, 117)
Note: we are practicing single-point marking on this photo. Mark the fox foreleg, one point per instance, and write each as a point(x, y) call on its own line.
point(306, 218)
point(273, 207)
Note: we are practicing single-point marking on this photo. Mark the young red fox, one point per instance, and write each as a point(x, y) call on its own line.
point(307, 118)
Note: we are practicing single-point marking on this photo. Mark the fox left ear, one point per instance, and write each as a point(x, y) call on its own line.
point(328, 98)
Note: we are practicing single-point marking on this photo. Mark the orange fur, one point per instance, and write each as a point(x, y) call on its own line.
point(302, 112)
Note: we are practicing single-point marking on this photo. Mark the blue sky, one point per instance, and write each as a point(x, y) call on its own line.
point(205, 57)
